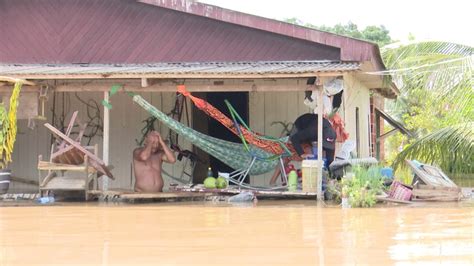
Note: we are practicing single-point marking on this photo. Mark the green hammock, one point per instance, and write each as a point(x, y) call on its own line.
point(233, 154)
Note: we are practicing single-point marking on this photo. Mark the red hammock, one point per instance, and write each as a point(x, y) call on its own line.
point(266, 145)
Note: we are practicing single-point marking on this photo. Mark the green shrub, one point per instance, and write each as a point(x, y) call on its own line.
point(363, 187)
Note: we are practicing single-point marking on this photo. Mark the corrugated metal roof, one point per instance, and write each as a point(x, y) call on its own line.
point(127, 32)
point(178, 70)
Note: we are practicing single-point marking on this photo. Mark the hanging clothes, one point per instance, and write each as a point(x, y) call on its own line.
point(312, 103)
point(338, 126)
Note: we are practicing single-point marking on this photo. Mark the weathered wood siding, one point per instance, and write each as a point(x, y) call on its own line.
point(270, 107)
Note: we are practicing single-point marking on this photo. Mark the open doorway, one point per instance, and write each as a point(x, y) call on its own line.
point(211, 127)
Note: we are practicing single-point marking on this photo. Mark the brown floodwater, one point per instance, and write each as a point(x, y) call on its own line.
point(269, 233)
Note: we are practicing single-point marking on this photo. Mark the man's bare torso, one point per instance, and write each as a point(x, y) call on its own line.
point(148, 173)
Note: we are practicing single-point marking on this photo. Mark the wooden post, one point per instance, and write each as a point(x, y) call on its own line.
point(377, 136)
point(319, 88)
point(105, 148)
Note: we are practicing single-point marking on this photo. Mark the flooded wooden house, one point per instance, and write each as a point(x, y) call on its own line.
point(75, 51)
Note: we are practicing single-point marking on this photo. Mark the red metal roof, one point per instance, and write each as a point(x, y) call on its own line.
point(351, 49)
point(124, 31)
point(154, 31)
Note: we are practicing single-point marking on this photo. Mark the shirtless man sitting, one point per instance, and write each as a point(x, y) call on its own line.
point(147, 162)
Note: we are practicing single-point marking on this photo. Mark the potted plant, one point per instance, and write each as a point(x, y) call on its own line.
point(8, 129)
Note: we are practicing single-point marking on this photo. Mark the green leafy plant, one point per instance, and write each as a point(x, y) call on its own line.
point(436, 101)
point(363, 187)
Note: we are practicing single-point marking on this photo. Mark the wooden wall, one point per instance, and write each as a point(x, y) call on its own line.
point(269, 107)
point(126, 124)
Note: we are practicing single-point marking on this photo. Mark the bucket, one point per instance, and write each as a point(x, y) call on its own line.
point(310, 175)
point(4, 181)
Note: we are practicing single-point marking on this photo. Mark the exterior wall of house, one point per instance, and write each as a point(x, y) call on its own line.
point(357, 96)
point(267, 109)
point(377, 101)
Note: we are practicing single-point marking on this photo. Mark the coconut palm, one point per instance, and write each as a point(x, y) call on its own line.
point(435, 80)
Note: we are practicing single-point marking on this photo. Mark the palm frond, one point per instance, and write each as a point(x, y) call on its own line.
point(444, 68)
point(452, 148)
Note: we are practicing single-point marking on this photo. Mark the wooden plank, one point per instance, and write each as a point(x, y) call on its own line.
point(440, 198)
point(430, 193)
point(132, 195)
point(24, 180)
point(44, 166)
point(14, 80)
point(48, 177)
point(110, 192)
point(100, 165)
point(193, 85)
point(162, 195)
point(387, 199)
point(65, 183)
point(192, 88)
point(421, 186)
point(262, 193)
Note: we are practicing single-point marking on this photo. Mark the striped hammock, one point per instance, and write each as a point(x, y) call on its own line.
point(269, 144)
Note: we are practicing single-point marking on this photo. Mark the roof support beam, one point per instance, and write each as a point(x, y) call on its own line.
point(215, 85)
point(14, 80)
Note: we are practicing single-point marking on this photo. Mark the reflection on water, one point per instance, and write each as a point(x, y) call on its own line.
point(269, 233)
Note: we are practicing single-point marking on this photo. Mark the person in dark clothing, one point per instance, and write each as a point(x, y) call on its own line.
point(305, 130)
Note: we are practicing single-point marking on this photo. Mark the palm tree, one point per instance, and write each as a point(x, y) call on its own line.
point(437, 101)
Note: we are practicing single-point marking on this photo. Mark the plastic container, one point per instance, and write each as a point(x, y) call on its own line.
point(45, 200)
point(292, 181)
point(209, 172)
point(387, 172)
point(310, 175)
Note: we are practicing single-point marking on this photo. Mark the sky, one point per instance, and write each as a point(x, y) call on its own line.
point(447, 20)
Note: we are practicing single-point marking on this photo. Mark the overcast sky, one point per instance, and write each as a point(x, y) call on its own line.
point(447, 20)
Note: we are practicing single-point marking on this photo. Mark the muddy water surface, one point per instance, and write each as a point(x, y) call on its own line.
point(271, 233)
